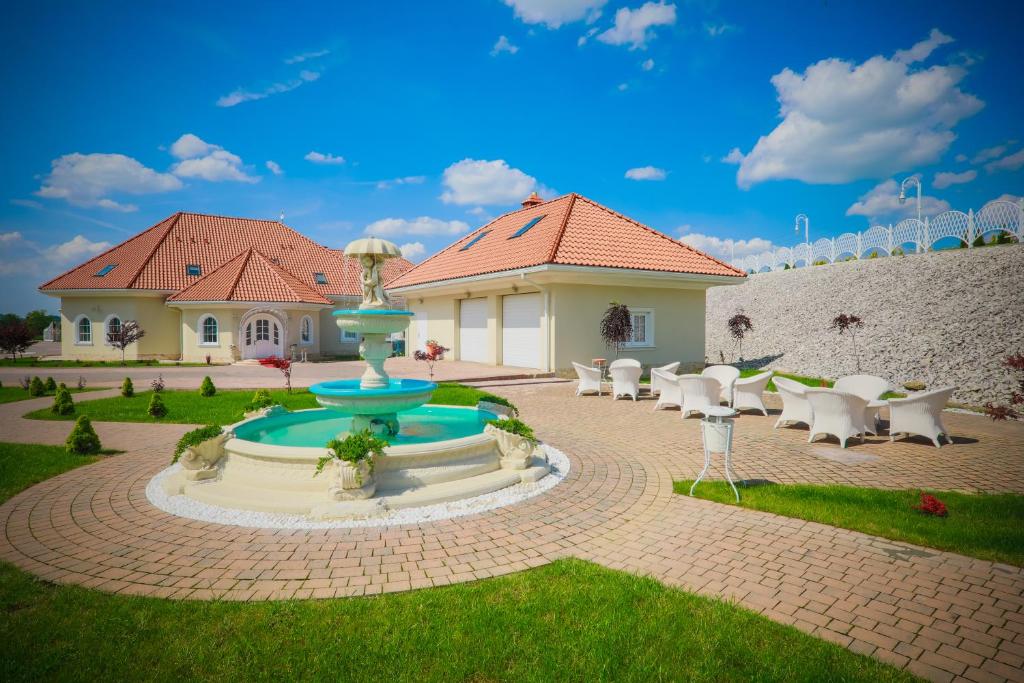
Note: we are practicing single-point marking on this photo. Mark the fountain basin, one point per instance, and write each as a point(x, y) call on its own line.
point(373, 321)
point(347, 395)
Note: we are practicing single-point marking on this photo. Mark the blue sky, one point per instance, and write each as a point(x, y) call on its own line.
point(417, 121)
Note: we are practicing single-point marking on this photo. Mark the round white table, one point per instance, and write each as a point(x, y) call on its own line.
point(720, 441)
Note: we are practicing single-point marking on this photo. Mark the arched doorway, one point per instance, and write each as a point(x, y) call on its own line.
point(262, 334)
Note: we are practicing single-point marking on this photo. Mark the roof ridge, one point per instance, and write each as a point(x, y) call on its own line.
point(561, 229)
point(149, 257)
point(284, 274)
point(241, 269)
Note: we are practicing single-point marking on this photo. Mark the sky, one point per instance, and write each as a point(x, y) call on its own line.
point(714, 122)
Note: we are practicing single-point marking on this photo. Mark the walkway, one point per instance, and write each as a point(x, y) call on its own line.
point(939, 615)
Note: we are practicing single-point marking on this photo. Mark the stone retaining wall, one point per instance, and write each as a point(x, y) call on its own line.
point(946, 317)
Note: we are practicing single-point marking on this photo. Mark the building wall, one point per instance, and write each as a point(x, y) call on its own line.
point(441, 315)
point(161, 325)
point(230, 342)
point(331, 343)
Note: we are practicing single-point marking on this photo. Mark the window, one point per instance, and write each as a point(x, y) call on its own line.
point(523, 230)
point(209, 332)
point(248, 334)
point(262, 330)
point(193, 269)
point(349, 336)
point(106, 269)
point(306, 330)
point(113, 327)
point(475, 240)
point(277, 339)
point(643, 328)
point(83, 331)
point(320, 278)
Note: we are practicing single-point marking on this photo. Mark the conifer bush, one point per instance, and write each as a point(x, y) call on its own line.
point(206, 389)
point(127, 388)
point(62, 403)
point(156, 408)
point(36, 387)
point(261, 399)
point(50, 385)
point(83, 439)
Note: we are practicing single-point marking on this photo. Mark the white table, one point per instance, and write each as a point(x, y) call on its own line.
point(714, 419)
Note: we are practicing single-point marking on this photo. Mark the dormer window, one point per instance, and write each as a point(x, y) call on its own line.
point(320, 278)
point(193, 270)
point(106, 269)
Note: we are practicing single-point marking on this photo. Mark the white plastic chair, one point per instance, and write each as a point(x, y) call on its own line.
point(836, 413)
point(726, 376)
point(669, 393)
point(869, 388)
point(625, 380)
point(749, 391)
point(699, 393)
point(657, 384)
point(795, 407)
point(920, 414)
point(590, 379)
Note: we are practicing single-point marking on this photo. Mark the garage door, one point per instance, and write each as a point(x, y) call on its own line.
point(520, 330)
point(473, 330)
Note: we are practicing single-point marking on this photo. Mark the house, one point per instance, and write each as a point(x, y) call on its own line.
point(200, 285)
point(529, 288)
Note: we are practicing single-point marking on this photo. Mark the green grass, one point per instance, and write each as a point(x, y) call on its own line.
point(16, 393)
point(22, 465)
point(452, 394)
point(33, 362)
point(986, 526)
point(803, 379)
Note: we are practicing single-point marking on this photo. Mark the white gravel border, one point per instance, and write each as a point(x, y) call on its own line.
point(183, 506)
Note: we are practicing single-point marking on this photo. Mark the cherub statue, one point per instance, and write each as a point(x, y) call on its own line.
point(373, 292)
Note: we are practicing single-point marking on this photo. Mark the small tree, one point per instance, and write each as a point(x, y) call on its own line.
point(49, 385)
point(83, 439)
point(1010, 412)
point(36, 387)
point(158, 384)
point(844, 323)
point(156, 406)
point(433, 353)
point(206, 389)
point(616, 326)
point(127, 334)
point(15, 337)
point(739, 325)
point(282, 364)
point(261, 399)
point(127, 388)
point(62, 403)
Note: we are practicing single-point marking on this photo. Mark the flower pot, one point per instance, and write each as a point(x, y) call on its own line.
point(717, 436)
point(352, 481)
point(516, 451)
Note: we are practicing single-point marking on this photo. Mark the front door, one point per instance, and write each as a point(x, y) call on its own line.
point(262, 338)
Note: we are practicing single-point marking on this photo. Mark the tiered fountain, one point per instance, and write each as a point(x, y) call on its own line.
point(437, 454)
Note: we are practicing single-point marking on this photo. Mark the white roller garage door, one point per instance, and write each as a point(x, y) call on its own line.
point(473, 330)
point(520, 330)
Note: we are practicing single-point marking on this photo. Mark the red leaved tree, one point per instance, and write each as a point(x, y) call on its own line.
point(433, 353)
point(282, 364)
point(849, 323)
point(1010, 412)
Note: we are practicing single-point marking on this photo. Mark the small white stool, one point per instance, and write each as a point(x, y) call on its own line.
point(716, 433)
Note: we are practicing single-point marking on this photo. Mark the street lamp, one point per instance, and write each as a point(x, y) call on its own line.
point(807, 234)
point(903, 198)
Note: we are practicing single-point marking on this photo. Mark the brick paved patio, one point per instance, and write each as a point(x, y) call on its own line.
point(940, 615)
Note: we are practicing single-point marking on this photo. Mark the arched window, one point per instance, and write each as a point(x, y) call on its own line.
point(248, 334)
point(83, 331)
point(113, 328)
point(209, 331)
point(306, 330)
point(277, 338)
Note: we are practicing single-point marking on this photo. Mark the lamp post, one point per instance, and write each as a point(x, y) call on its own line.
point(807, 234)
point(903, 198)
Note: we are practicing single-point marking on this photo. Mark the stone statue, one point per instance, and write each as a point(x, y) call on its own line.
point(200, 461)
point(373, 291)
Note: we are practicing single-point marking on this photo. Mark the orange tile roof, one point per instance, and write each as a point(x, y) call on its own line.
point(155, 259)
point(572, 230)
point(250, 276)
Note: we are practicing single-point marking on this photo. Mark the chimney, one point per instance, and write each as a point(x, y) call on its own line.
point(533, 200)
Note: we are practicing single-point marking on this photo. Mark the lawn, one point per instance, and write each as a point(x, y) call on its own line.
point(33, 362)
point(16, 393)
point(22, 465)
point(809, 381)
point(986, 526)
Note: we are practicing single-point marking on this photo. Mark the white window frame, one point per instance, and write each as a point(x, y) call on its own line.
point(648, 343)
point(201, 333)
point(78, 331)
point(106, 327)
point(302, 328)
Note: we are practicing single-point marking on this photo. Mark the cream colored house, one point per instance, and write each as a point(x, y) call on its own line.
point(529, 289)
point(199, 285)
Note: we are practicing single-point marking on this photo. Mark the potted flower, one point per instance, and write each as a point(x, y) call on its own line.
point(352, 460)
point(516, 442)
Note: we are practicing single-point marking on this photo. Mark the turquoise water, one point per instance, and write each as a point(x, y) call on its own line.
point(314, 428)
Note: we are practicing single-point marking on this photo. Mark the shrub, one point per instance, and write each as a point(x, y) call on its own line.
point(157, 384)
point(36, 387)
point(261, 399)
point(514, 426)
point(194, 438)
point(501, 401)
point(207, 389)
point(930, 505)
point(62, 403)
point(25, 382)
point(50, 385)
point(353, 449)
point(83, 439)
point(156, 406)
point(127, 388)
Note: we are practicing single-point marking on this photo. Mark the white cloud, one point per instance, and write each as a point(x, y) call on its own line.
point(582, 40)
point(1010, 162)
point(320, 158)
point(633, 27)
point(646, 173)
point(424, 225)
point(554, 13)
point(275, 168)
point(87, 179)
point(413, 251)
point(406, 180)
point(735, 156)
point(922, 50)
point(306, 56)
point(882, 201)
point(207, 161)
point(647, 64)
point(961, 158)
point(1007, 198)
point(716, 30)
point(843, 121)
point(724, 248)
point(623, 87)
point(474, 181)
point(26, 257)
point(240, 95)
point(190, 146)
point(944, 179)
point(503, 45)
point(27, 203)
point(990, 153)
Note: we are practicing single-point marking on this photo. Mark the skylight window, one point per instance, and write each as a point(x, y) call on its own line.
point(523, 230)
point(320, 278)
point(474, 240)
point(106, 269)
point(193, 269)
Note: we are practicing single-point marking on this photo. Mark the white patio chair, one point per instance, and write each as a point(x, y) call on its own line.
point(836, 413)
point(658, 384)
point(625, 380)
point(920, 414)
point(726, 376)
point(590, 379)
point(699, 393)
point(795, 407)
point(625, 363)
point(749, 392)
point(869, 388)
point(669, 393)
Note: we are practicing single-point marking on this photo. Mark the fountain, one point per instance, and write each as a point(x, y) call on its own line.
point(436, 454)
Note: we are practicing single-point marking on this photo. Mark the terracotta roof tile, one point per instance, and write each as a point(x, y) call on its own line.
point(250, 276)
point(573, 230)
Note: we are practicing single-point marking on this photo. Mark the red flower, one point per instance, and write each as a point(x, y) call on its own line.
point(930, 505)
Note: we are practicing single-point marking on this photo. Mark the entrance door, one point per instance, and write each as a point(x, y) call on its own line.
point(473, 330)
point(520, 330)
point(262, 338)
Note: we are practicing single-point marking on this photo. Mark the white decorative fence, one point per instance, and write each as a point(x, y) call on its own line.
point(909, 236)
